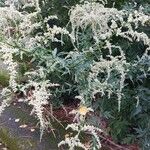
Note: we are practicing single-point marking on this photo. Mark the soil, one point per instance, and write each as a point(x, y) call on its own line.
point(19, 124)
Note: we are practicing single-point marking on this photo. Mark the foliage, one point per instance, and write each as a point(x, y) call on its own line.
point(101, 57)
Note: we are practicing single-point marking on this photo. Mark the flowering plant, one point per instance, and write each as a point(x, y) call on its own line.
point(93, 58)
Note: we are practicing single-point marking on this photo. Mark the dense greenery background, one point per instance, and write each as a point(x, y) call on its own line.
point(131, 124)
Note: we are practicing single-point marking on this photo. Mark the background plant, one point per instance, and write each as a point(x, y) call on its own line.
point(101, 58)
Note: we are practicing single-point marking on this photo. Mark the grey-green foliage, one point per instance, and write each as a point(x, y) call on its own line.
point(2, 3)
point(100, 65)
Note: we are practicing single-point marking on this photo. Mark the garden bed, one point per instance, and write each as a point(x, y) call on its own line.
point(80, 65)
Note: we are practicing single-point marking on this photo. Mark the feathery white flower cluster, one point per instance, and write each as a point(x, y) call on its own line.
point(50, 17)
point(138, 17)
point(95, 15)
point(6, 98)
point(80, 127)
point(52, 32)
point(26, 28)
point(11, 66)
point(38, 98)
point(8, 21)
point(23, 4)
point(72, 143)
point(105, 23)
point(7, 56)
point(22, 24)
point(104, 2)
point(97, 85)
point(18, 26)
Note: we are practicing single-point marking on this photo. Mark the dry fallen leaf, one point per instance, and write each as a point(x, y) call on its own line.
point(17, 120)
point(32, 130)
point(23, 126)
point(4, 148)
